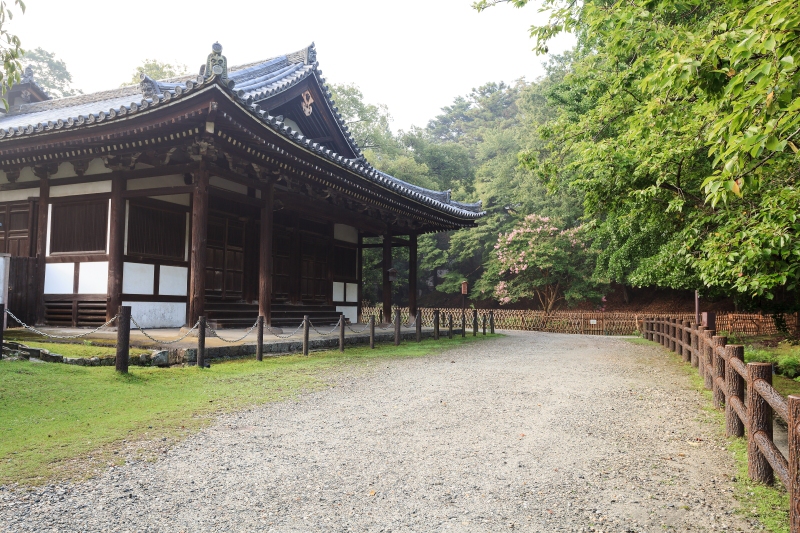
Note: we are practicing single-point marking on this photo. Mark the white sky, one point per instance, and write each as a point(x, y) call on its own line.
point(415, 56)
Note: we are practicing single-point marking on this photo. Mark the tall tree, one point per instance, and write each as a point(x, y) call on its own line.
point(158, 70)
point(50, 73)
point(10, 48)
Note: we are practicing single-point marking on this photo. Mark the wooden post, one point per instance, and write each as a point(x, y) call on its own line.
point(199, 242)
point(305, 334)
point(123, 338)
point(734, 427)
point(372, 332)
point(463, 324)
point(484, 324)
point(412, 275)
point(341, 333)
point(397, 327)
point(672, 335)
point(436, 324)
point(450, 326)
point(474, 322)
point(793, 405)
point(265, 255)
point(387, 285)
point(2, 325)
point(718, 373)
point(491, 322)
point(687, 341)
point(418, 324)
point(41, 246)
point(116, 246)
point(760, 414)
point(697, 344)
point(201, 342)
point(707, 371)
point(260, 339)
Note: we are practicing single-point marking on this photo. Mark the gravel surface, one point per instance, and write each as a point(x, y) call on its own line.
point(533, 431)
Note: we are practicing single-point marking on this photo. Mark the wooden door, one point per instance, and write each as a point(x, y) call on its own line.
point(314, 283)
point(15, 228)
point(225, 258)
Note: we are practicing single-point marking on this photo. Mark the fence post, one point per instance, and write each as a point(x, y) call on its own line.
point(705, 350)
point(760, 414)
point(687, 341)
point(436, 324)
point(793, 404)
point(450, 326)
point(678, 336)
point(341, 333)
point(201, 342)
point(397, 327)
point(418, 325)
point(734, 427)
point(697, 331)
point(718, 370)
point(671, 332)
point(123, 336)
point(491, 322)
point(305, 334)
point(372, 332)
point(484, 324)
point(260, 339)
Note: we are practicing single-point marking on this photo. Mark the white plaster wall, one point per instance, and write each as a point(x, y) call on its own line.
point(93, 278)
point(221, 183)
point(351, 292)
point(97, 166)
point(59, 278)
point(338, 291)
point(180, 199)
point(350, 312)
point(172, 281)
point(65, 170)
point(59, 191)
point(173, 180)
point(19, 195)
point(343, 232)
point(158, 314)
point(137, 278)
point(26, 174)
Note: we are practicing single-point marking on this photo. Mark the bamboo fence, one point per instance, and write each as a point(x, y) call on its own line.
point(594, 322)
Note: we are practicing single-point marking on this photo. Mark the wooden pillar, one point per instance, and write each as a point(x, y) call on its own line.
point(360, 275)
point(794, 462)
point(199, 241)
point(116, 247)
point(265, 255)
point(760, 414)
point(412, 275)
point(387, 285)
point(718, 370)
point(734, 427)
point(41, 246)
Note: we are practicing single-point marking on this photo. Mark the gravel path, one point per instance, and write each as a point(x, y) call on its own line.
point(534, 432)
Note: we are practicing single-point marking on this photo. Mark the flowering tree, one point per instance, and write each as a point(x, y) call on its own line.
point(541, 259)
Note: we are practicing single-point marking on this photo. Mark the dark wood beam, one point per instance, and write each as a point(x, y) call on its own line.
point(265, 256)
point(412, 276)
point(41, 247)
point(116, 247)
point(197, 272)
point(322, 210)
point(163, 191)
point(216, 170)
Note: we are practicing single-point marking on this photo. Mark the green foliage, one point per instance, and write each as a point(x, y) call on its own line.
point(542, 259)
point(368, 123)
point(50, 73)
point(157, 70)
point(10, 47)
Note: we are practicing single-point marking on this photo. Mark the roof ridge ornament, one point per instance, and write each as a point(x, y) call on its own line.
point(311, 54)
point(217, 64)
point(149, 86)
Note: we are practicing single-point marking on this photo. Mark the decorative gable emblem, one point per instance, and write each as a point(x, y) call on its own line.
point(217, 64)
point(307, 101)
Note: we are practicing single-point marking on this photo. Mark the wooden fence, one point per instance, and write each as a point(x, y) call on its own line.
point(594, 323)
point(746, 394)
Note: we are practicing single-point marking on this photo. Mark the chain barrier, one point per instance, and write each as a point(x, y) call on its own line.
point(215, 333)
point(280, 336)
point(42, 333)
point(335, 327)
point(356, 331)
point(162, 341)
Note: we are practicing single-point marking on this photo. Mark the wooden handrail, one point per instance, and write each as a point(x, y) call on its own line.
point(725, 373)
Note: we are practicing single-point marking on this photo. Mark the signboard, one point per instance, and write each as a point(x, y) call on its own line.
point(463, 287)
point(592, 322)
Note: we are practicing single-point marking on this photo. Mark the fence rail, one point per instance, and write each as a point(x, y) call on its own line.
point(746, 394)
point(596, 322)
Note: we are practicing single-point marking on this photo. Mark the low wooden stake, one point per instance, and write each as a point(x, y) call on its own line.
point(201, 342)
point(123, 338)
point(793, 404)
point(718, 394)
point(260, 339)
point(372, 333)
point(491, 322)
point(436, 324)
point(397, 327)
point(450, 326)
point(305, 334)
point(734, 427)
point(418, 325)
point(341, 333)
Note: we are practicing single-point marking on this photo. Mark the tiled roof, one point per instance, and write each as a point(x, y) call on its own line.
point(249, 84)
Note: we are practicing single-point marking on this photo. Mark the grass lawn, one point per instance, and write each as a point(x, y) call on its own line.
point(64, 422)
